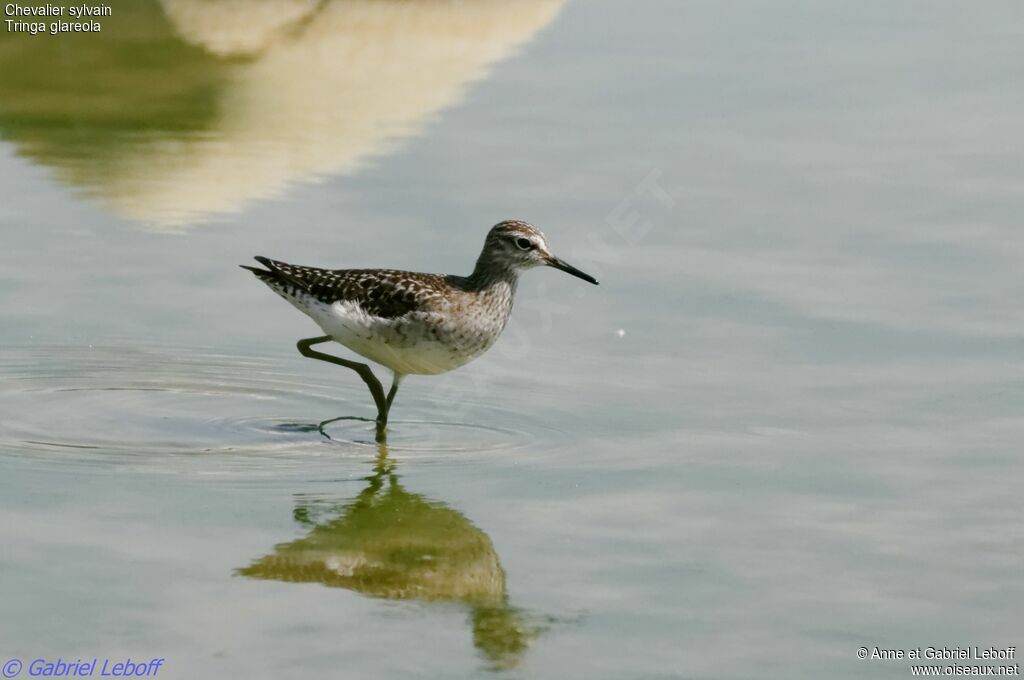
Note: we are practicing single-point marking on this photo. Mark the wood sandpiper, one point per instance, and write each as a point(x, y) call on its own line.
point(411, 322)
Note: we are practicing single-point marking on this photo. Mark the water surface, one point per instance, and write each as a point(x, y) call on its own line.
point(785, 426)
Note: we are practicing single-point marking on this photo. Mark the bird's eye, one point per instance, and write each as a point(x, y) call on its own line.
point(524, 243)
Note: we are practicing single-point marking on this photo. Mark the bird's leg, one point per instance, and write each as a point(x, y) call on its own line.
point(394, 389)
point(376, 389)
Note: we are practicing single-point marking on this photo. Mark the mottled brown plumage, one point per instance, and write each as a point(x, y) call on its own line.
point(385, 293)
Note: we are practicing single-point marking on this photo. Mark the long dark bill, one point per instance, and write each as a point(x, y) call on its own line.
point(569, 269)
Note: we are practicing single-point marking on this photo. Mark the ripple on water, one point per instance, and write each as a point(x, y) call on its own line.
point(186, 411)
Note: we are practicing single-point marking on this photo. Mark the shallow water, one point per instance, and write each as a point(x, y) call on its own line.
point(785, 426)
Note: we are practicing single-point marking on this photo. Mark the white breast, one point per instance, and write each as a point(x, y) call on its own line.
point(417, 343)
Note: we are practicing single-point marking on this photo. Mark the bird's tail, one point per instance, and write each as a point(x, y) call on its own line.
point(277, 274)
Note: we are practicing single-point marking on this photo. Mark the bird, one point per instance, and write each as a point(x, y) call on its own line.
point(410, 322)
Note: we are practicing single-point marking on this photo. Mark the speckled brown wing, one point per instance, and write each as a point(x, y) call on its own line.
point(384, 293)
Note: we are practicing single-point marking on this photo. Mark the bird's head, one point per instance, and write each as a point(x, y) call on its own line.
point(519, 245)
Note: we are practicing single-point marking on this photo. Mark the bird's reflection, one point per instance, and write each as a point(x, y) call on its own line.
point(183, 110)
point(390, 543)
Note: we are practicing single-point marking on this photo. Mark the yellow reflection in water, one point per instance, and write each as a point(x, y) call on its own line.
point(183, 110)
point(393, 544)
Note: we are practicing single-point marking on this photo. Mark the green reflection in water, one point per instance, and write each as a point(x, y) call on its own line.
point(182, 111)
point(393, 544)
point(88, 96)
